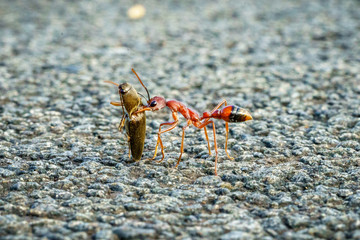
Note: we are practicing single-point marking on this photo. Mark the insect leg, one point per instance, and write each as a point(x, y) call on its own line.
point(203, 125)
point(218, 106)
point(122, 123)
point(129, 147)
point(207, 139)
point(227, 135)
point(182, 141)
point(117, 104)
point(226, 126)
point(173, 125)
point(215, 146)
point(162, 150)
point(226, 141)
point(112, 83)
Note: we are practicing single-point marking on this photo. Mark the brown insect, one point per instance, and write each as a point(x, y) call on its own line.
point(228, 114)
point(135, 123)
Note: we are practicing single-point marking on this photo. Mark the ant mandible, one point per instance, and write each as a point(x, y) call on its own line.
point(228, 114)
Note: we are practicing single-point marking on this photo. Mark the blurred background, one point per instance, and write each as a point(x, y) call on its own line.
point(202, 48)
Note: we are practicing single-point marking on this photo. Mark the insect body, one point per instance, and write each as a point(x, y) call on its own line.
point(228, 114)
point(135, 123)
point(192, 117)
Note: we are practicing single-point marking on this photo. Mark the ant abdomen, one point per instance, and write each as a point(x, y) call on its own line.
point(230, 114)
point(237, 114)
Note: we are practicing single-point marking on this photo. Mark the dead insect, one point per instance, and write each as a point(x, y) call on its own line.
point(135, 123)
point(228, 114)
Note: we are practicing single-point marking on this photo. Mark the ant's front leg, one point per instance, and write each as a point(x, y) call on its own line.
point(182, 141)
point(173, 125)
point(159, 141)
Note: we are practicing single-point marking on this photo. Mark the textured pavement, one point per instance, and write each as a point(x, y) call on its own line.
point(64, 168)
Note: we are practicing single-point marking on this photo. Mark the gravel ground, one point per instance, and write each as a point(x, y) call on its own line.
point(64, 167)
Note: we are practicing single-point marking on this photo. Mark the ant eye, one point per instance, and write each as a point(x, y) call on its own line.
point(153, 104)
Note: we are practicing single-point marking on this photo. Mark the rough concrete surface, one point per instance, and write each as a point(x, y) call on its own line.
point(64, 168)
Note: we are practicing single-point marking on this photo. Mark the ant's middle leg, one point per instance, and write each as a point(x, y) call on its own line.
point(207, 139)
point(203, 125)
point(182, 141)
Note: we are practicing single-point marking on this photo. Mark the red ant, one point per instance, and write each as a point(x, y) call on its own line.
point(228, 114)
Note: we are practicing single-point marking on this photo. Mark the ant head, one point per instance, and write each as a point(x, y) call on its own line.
point(156, 103)
point(206, 115)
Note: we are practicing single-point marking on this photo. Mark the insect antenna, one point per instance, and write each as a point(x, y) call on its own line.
point(142, 84)
point(142, 95)
point(116, 84)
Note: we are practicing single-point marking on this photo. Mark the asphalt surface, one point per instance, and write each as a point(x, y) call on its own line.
point(64, 166)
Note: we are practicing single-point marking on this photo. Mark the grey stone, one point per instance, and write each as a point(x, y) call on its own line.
point(297, 221)
point(208, 180)
point(77, 201)
point(259, 199)
point(6, 173)
point(129, 232)
point(237, 235)
point(105, 235)
point(354, 200)
point(25, 186)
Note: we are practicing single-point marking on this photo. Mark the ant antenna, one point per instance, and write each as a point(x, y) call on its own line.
point(142, 95)
point(141, 83)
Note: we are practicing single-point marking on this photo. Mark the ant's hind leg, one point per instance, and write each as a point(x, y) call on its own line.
point(218, 106)
point(215, 145)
